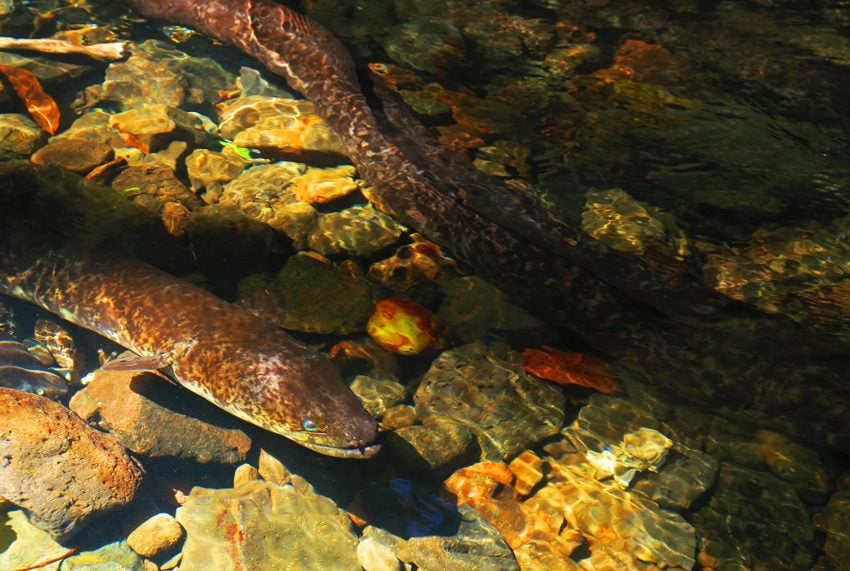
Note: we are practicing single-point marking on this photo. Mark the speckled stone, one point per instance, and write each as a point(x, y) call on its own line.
point(78, 155)
point(59, 469)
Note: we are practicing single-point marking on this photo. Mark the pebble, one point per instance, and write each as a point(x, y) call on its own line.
point(155, 536)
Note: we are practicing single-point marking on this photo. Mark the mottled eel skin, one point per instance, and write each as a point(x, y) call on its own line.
point(240, 363)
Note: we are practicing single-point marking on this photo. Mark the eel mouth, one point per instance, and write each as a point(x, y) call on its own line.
point(357, 452)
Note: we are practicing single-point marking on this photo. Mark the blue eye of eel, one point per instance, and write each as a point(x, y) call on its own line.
point(310, 424)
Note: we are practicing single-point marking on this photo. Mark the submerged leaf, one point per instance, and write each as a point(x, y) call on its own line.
point(40, 105)
point(567, 368)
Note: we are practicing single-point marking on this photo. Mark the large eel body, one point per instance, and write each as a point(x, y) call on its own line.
point(244, 365)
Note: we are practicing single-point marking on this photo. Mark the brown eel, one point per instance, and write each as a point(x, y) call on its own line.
point(242, 364)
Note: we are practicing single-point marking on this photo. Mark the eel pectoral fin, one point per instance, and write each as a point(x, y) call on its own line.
point(129, 361)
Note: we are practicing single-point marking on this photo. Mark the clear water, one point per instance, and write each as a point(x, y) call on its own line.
point(718, 131)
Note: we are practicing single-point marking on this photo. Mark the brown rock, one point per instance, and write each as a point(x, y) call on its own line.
point(155, 535)
point(118, 401)
point(59, 469)
point(78, 155)
point(18, 134)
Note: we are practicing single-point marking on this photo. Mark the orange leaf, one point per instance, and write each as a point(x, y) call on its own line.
point(40, 105)
point(567, 368)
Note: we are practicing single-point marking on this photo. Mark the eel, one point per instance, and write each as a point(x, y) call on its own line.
point(248, 367)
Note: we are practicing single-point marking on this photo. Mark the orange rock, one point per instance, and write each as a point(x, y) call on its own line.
point(402, 326)
point(478, 482)
point(526, 468)
point(567, 368)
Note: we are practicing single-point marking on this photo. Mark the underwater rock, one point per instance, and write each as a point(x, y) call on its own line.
point(202, 77)
point(836, 524)
point(439, 446)
point(356, 231)
point(263, 525)
point(7, 7)
point(414, 270)
point(155, 536)
point(799, 466)
point(261, 192)
point(209, 171)
point(484, 388)
point(605, 420)
point(504, 41)
point(33, 547)
point(753, 519)
point(398, 416)
point(125, 404)
point(620, 222)
point(796, 271)
point(280, 127)
point(312, 294)
point(685, 476)
point(19, 134)
point(137, 82)
point(381, 363)
point(144, 122)
point(475, 545)
point(375, 556)
point(378, 395)
point(77, 155)
point(538, 539)
point(151, 185)
point(427, 44)
point(765, 450)
point(569, 368)
point(320, 185)
point(626, 521)
point(403, 326)
point(472, 307)
point(59, 469)
point(643, 449)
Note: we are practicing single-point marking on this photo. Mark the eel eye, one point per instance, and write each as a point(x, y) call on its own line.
point(310, 425)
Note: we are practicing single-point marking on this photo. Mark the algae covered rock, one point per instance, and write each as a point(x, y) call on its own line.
point(311, 294)
point(263, 525)
point(484, 388)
